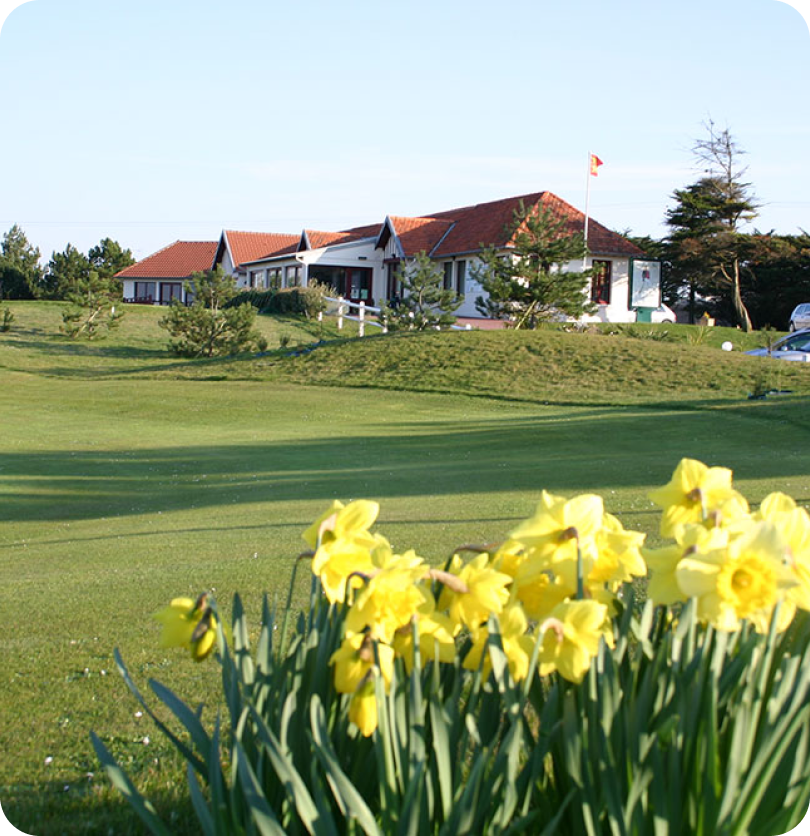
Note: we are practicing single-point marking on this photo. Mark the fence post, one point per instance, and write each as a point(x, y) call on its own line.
point(362, 316)
point(340, 313)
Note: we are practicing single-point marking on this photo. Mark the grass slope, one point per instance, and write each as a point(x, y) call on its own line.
point(128, 477)
point(609, 365)
point(545, 366)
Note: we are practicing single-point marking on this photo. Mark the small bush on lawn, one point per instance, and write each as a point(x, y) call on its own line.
point(523, 689)
point(208, 327)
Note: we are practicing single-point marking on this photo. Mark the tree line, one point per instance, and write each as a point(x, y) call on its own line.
point(23, 277)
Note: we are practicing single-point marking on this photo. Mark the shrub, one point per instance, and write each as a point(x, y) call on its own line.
point(209, 327)
point(259, 299)
point(292, 301)
point(522, 690)
point(93, 301)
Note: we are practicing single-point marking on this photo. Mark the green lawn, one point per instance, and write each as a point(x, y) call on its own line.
point(129, 477)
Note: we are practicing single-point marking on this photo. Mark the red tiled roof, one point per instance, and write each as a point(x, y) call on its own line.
point(251, 246)
point(318, 239)
point(491, 224)
point(418, 235)
point(450, 232)
point(177, 261)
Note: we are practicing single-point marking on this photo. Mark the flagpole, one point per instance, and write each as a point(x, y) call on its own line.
point(587, 211)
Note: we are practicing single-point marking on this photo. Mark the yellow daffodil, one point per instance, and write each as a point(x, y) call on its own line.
point(560, 523)
point(355, 658)
point(517, 646)
point(618, 555)
point(561, 531)
point(662, 586)
point(389, 598)
point(190, 624)
point(486, 591)
point(538, 590)
point(436, 634)
point(363, 707)
point(571, 638)
point(745, 580)
point(355, 672)
point(341, 566)
point(696, 493)
point(793, 523)
point(509, 557)
point(343, 545)
point(342, 522)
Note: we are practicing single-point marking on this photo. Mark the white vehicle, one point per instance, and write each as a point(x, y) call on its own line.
point(663, 313)
point(793, 347)
point(800, 318)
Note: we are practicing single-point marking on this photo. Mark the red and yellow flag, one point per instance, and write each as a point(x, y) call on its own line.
point(595, 163)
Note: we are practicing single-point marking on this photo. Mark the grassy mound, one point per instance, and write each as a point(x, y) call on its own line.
point(544, 366)
point(610, 364)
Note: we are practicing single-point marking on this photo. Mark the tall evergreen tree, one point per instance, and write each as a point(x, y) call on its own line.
point(109, 258)
point(707, 249)
point(20, 272)
point(64, 270)
point(529, 283)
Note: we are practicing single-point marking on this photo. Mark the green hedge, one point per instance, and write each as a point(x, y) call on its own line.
point(306, 301)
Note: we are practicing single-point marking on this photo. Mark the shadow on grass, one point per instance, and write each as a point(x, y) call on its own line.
point(563, 452)
point(84, 808)
point(100, 349)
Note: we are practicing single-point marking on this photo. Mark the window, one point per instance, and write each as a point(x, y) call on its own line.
point(170, 291)
point(600, 282)
point(292, 276)
point(145, 291)
point(448, 275)
point(274, 278)
point(394, 284)
point(461, 277)
point(256, 278)
point(353, 283)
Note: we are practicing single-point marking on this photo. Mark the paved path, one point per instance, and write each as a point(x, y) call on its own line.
point(483, 324)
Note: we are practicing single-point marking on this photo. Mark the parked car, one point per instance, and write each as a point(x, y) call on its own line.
point(663, 314)
point(793, 347)
point(800, 318)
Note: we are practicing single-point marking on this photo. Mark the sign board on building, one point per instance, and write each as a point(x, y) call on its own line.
point(645, 283)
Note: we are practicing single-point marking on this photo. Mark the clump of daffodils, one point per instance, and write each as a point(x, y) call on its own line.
point(738, 565)
point(553, 585)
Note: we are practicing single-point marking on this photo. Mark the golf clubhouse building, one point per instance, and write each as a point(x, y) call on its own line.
point(361, 264)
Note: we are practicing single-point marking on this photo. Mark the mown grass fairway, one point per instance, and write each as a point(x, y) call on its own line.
point(129, 477)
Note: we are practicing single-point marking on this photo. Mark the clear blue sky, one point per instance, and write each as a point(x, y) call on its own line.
point(155, 120)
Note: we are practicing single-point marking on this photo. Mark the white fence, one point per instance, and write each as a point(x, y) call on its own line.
point(361, 318)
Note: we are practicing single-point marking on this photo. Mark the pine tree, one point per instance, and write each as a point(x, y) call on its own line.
point(20, 272)
point(706, 246)
point(64, 270)
point(109, 258)
point(207, 328)
point(529, 283)
point(425, 302)
point(92, 306)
